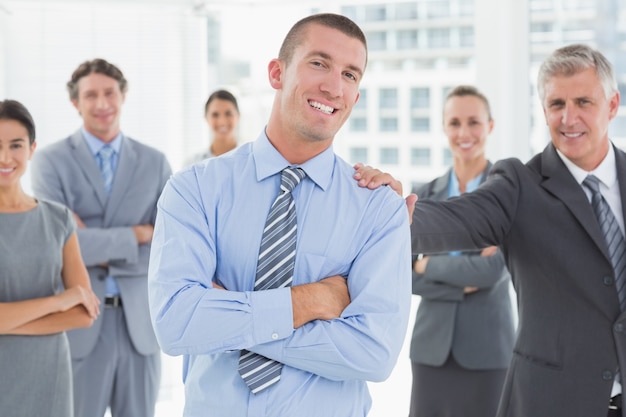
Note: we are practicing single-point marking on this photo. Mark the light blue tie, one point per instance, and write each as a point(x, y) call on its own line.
point(105, 156)
point(274, 270)
point(612, 235)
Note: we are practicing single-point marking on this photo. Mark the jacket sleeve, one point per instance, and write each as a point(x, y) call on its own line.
point(446, 276)
point(97, 245)
point(472, 221)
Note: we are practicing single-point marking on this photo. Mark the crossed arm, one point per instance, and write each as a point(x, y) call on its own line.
point(327, 298)
point(322, 300)
point(307, 326)
point(77, 306)
point(99, 245)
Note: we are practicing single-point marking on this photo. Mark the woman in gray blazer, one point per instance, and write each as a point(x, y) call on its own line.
point(464, 329)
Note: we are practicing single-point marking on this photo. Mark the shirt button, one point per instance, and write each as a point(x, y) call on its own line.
point(619, 327)
point(274, 336)
point(608, 281)
point(607, 375)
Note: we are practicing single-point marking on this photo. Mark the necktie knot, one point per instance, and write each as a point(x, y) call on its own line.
point(106, 153)
point(592, 183)
point(290, 177)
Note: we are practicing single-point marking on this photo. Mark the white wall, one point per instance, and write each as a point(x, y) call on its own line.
point(502, 62)
point(160, 49)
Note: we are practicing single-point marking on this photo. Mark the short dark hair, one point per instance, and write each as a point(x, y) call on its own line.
point(98, 66)
point(331, 20)
point(14, 110)
point(470, 90)
point(221, 95)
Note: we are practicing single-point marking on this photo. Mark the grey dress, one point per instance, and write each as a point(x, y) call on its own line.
point(35, 371)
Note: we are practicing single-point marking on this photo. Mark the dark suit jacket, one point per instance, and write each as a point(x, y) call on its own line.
point(571, 333)
point(477, 328)
point(67, 172)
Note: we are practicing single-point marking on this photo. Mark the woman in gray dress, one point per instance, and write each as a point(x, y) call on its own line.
point(44, 285)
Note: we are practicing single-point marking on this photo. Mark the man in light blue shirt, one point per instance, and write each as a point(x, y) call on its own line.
point(343, 319)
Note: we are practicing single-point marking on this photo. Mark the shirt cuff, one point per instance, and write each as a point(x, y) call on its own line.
point(272, 314)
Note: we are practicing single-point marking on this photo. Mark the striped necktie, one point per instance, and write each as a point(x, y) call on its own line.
point(612, 235)
point(106, 166)
point(274, 270)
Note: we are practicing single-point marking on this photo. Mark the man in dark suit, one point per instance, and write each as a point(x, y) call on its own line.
point(571, 346)
point(116, 362)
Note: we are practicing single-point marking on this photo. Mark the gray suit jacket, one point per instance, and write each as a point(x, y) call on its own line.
point(571, 333)
point(67, 172)
point(477, 328)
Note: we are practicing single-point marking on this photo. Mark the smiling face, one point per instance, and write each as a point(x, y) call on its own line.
point(578, 113)
point(99, 103)
point(222, 117)
point(15, 151)
point(317, 89)
point(466, 123)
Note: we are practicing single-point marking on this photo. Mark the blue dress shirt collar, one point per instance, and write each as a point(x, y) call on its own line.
point(95, 144)
point(269, 161)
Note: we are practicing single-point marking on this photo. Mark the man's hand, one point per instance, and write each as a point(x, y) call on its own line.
point(322, 300)
point(489, 251)
point(143, 233)
point(373, 178)
point(420, 264)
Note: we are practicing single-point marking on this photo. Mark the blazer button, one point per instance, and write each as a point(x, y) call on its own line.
point(607, 375)
point(619, 328)
point(608, 281)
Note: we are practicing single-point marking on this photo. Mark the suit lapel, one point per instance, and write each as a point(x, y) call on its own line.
point(123, 178)
point(439, 190)
point(87, 163)
point(620, 162)
point(560, 182)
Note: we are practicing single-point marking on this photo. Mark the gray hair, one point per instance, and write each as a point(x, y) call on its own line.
point(572, 59)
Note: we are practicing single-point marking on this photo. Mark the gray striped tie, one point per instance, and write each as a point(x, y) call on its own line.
point(106, 166)
point(274, 270)
point(612, 235)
